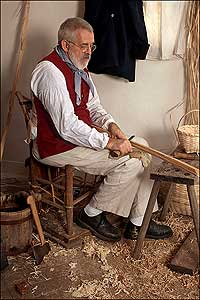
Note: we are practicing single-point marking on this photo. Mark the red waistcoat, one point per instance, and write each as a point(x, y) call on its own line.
point(48, 140)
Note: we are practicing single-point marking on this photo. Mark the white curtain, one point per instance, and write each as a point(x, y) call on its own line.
point(165, 24)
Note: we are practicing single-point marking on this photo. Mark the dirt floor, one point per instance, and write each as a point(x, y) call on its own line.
point(102, 270)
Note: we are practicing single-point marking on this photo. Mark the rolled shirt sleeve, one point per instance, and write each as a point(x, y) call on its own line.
point(49, 86)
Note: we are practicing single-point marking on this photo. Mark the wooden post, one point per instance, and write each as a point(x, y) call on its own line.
point(17, 74)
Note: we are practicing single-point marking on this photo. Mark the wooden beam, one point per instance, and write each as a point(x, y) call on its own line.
point(17, 74)
point(186, 259)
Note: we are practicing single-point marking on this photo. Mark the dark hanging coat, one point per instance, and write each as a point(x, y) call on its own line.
point(120, 35)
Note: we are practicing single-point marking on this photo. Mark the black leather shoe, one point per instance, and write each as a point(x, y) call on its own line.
point(154, 231)
point(99, 226)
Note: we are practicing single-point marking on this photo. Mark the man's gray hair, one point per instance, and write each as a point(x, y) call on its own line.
point(69, 27)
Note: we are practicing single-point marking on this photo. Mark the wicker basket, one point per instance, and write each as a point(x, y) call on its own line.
point(188, 135)
point(179, 202)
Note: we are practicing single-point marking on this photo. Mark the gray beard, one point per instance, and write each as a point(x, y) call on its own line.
point(76, 62)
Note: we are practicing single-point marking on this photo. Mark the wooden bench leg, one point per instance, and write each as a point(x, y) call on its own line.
point(68, 198)
point(194, 208)
point(166, 203)
point(146, 220)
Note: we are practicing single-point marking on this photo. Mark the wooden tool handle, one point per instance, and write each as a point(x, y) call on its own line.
point(31, 201)
point(115, 153)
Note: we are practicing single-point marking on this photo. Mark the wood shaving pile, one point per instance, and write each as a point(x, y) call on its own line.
point(146, 278)
point(96, 289)
point(103, 270)
point(93, 249)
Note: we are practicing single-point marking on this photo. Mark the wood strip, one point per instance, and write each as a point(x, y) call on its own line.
point(191, 156)
point(74, 243)
point(45, 181)
point(51, 203)
point(17, 74)
point(178, 163)
point(80, 198)
point(186, 259)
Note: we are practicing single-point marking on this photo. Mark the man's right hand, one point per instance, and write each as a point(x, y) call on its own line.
point(121, 145)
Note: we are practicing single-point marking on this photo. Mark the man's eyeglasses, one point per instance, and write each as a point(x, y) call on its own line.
point(84, 47)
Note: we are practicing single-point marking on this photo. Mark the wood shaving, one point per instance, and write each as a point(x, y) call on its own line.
point(72, 265)
point(93, 249)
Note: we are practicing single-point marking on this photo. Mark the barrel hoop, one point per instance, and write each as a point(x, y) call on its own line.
point(2, 222)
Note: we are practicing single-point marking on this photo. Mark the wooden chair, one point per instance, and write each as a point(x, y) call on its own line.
point(55, 180)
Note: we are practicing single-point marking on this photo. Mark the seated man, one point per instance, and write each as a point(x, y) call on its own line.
point(68, 112)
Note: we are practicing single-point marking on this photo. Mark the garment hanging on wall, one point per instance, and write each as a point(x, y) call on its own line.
point(165, 23)
point(120, 35)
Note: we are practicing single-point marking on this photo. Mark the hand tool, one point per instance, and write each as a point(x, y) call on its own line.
point(39, 251)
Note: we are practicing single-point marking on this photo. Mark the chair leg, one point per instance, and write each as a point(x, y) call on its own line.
point(194, 208)
point(146, 220)
point(68, 198)
point(32, 171)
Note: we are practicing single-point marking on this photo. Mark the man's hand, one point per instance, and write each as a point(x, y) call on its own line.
point(115, 131)
point(117, 139)
point(121, 145)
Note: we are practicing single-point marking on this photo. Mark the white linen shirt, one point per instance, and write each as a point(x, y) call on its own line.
point(49, 86)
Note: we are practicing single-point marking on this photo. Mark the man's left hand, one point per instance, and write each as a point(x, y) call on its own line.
point(115, 131)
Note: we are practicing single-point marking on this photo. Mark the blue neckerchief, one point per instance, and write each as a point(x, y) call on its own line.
point(78, 74)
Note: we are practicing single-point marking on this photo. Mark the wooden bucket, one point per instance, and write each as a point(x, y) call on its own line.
point(16, 224)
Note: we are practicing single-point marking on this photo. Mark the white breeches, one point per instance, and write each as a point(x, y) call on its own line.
point(126, 187)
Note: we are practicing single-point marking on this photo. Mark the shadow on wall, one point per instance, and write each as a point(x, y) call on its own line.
point(38, 45)
point(81, 9)
point(8, 71)
point(161, 140)
point(13, 57)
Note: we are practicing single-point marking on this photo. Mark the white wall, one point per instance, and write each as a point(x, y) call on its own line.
point(140, 107)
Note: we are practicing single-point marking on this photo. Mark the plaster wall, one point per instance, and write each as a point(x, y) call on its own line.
point(140, 108)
